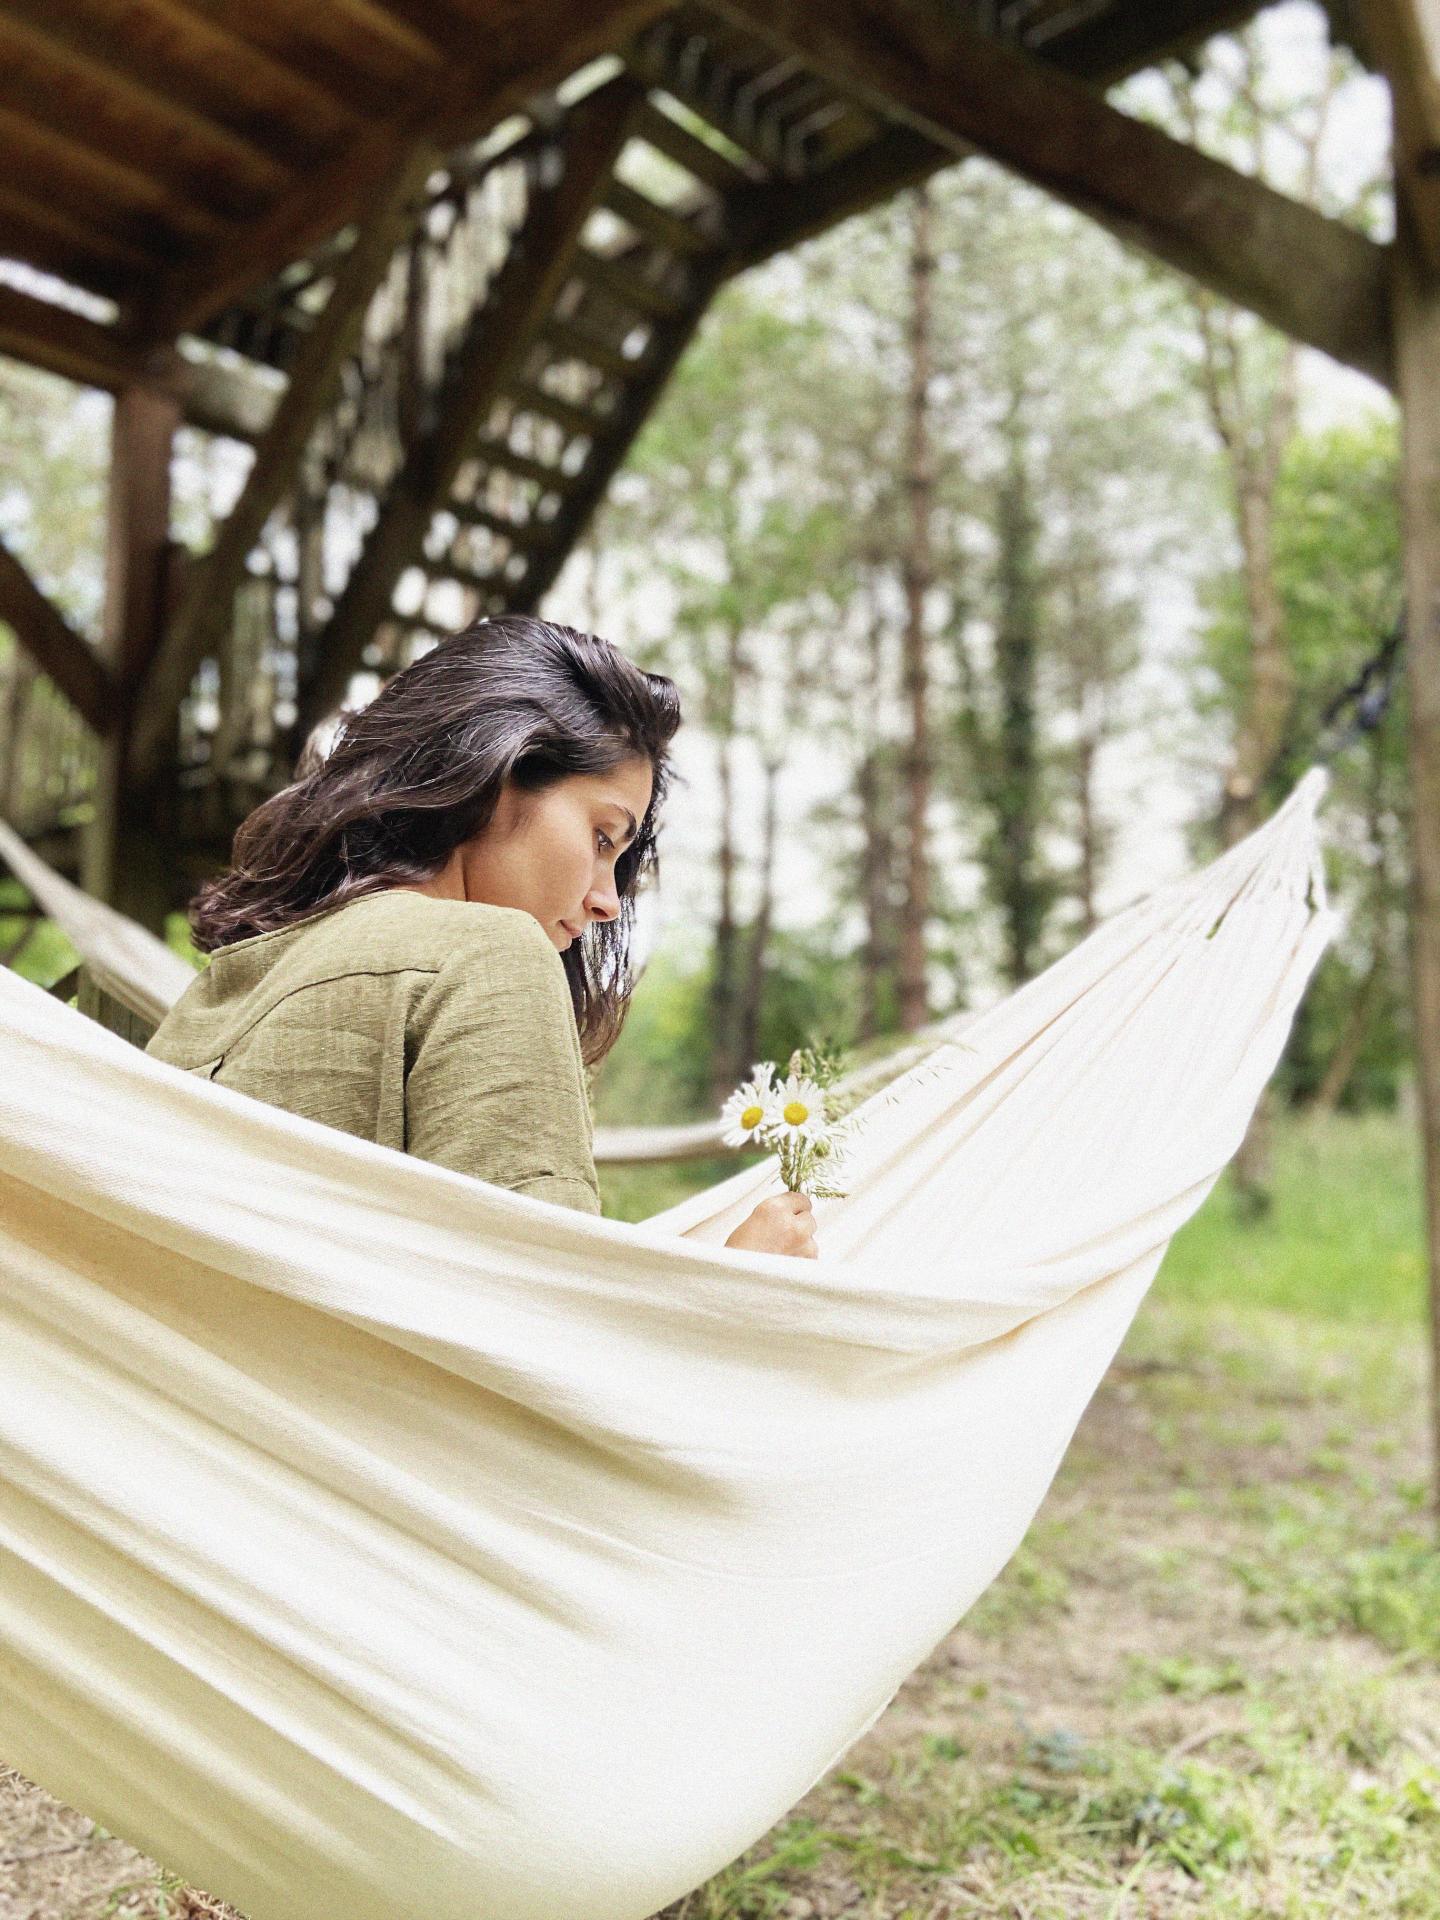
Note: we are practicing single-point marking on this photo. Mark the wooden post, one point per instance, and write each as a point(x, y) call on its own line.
point(1406, 43)
point(1417, 331)
point(123, 860)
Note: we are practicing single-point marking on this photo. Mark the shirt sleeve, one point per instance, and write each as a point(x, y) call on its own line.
point(496, 1084)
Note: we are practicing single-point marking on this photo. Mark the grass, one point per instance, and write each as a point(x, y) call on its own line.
point(1208, 1684)
point(1343, 1239)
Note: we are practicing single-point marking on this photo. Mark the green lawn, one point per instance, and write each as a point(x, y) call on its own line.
point(1344, 1239)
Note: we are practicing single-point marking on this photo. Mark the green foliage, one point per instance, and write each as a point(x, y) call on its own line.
point(47, 955)
point(1343, 1240)
point(1338, 569)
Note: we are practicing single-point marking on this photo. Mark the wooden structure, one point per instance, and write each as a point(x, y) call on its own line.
point(402, 249)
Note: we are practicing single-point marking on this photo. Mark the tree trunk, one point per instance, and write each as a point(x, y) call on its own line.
point(1351, 1044)
point(918, 575)
point(1087, 875)
point(1015, 798)
point(747, 1044)
point(1261, 733)
point(724, 979)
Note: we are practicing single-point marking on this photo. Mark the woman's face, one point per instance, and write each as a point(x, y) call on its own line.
point(553, 853)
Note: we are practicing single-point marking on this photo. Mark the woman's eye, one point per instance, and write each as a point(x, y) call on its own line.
point(607, 845)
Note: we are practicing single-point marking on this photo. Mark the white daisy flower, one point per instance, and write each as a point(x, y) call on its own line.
point(799, 1107)
point(751, 1107)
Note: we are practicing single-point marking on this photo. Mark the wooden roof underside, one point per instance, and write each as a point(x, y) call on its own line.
point(257, 179)
point(172, 156)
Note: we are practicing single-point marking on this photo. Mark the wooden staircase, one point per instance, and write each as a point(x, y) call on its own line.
point(548, 283)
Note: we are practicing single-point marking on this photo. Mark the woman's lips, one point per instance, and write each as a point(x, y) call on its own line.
point(574, 932)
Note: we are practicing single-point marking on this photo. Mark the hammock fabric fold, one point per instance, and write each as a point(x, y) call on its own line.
point(377, 1542)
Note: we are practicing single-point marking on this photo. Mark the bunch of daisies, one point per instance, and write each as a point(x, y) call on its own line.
point(794, 1119)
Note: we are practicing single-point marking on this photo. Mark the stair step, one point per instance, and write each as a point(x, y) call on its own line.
point(718, 171)
point(522, 535)
point(625, 286)
point(669, 230)
point(565, 413)
point(496, 454)
point(577, 343)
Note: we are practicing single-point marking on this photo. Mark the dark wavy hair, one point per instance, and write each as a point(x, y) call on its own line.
point(420, 769)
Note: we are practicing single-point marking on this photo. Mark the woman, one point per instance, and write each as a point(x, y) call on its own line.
point(425, 938)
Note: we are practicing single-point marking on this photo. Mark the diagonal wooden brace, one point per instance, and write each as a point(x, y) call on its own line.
point(207, 607)
point(1317, 280)
point(56, 648)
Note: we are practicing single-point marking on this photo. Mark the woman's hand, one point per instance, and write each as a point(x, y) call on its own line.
point(783, 1224)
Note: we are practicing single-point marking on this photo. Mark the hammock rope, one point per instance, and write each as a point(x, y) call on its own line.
point(374, 1541)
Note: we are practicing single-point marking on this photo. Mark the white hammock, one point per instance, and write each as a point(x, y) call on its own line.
point(375, 1542)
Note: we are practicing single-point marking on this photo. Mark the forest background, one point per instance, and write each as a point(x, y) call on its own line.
point(1003, 575)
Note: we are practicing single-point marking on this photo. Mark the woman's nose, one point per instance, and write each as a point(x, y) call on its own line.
point(603, 902)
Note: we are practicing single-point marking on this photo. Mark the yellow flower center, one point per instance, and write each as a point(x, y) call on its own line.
point(796, 1114)
point(751, 1118)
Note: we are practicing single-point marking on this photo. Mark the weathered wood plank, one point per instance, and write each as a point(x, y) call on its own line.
point(360, 56)
point(1317, 280)
point(186, 65)
point(482, 366)
point(208, 605)
point(494, 453)
point(625, 286)
point(572, 415)
point(40, 160)
point(72, 91)
point(54, 645)
point(47, 237)
point(766, 220)
point(531, 48)
point(66, 343)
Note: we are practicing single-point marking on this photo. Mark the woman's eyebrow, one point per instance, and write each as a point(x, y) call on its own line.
point(629, 816)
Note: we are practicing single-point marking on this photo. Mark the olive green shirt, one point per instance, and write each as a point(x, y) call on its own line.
point(443, 1028)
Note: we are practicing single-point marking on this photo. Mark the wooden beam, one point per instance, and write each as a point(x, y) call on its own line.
point(1317, 280)
point(1403, 39)
point(1417, 357)
point(54, 645)
point(486, 360)
point(208, 604)
point(529, 49)
point(1122, 40)
point(68, 344)
point(766, 220)
point(215, 398)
